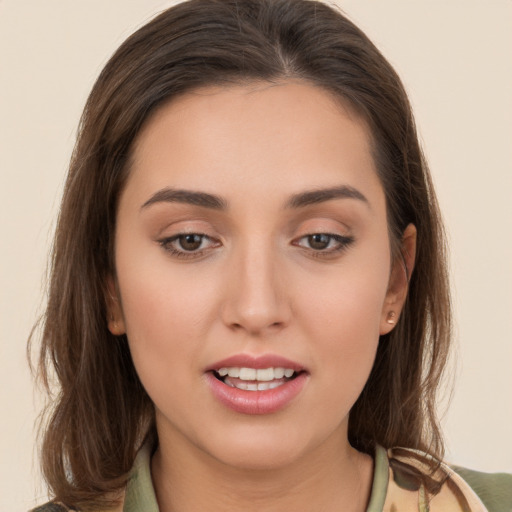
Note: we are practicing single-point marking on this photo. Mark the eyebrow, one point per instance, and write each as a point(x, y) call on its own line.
point(325, 194)
point(214, 202)
point(169, 195)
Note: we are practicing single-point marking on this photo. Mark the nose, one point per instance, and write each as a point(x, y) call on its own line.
point(256, 301)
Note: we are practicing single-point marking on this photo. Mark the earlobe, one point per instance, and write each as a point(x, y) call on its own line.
point(391, 318)
point(398, 285)
point(115, 319)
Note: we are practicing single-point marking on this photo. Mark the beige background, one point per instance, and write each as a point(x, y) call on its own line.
point(455, 57)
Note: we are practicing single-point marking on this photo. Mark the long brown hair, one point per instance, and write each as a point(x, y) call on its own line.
point(100, 413)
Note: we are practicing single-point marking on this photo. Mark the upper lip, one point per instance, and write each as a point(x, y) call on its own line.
point(256, 362)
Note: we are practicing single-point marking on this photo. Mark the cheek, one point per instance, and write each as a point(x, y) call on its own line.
point(166, 309)
point(157, 294)
point(346, 301)
point(342, 315)
point(348, 325)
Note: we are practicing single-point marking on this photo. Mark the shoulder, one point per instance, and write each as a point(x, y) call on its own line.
point(494, 489)
point(53, 506)
point(448, 489)
point(58, 506)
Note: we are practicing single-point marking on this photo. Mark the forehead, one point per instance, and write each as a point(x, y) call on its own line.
point(292, 134)
point(252, 105)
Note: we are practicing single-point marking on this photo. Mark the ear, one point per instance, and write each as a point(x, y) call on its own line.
point(115, 316)
point(398, 286)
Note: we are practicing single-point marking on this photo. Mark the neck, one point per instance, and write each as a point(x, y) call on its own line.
point(332, 477)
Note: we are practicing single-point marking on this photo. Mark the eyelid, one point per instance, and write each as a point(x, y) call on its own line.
point(166, 227)
point(166, 244)
point(344, 242)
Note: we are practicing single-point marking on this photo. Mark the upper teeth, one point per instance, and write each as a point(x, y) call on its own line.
point(252, 374)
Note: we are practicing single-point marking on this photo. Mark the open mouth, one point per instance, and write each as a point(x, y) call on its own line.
point(256, 385)
point(251, 379)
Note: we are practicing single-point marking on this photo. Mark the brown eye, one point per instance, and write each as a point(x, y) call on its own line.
point(188, 245)
point(324, 244)
point(190, 242)
point(319, 241)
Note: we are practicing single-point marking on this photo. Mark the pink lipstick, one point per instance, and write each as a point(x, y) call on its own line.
point(256, 385)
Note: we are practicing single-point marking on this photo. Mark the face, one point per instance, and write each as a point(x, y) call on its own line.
point(252, 235)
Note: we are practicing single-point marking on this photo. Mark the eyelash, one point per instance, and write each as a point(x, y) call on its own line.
point(166, 244)
point(344, 242)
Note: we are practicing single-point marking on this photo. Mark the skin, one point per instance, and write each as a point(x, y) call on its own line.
point(255, 286)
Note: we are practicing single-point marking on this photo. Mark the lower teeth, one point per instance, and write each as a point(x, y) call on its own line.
point(252, 386)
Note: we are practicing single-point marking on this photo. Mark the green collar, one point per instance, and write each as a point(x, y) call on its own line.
point(140, 494)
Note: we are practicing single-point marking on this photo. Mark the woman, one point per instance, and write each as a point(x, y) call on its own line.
point(249, 302)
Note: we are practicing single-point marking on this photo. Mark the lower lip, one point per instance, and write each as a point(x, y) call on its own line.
point(256, 402)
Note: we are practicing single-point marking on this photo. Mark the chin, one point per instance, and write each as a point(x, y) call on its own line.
point(260, 458)
point(259, 449)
